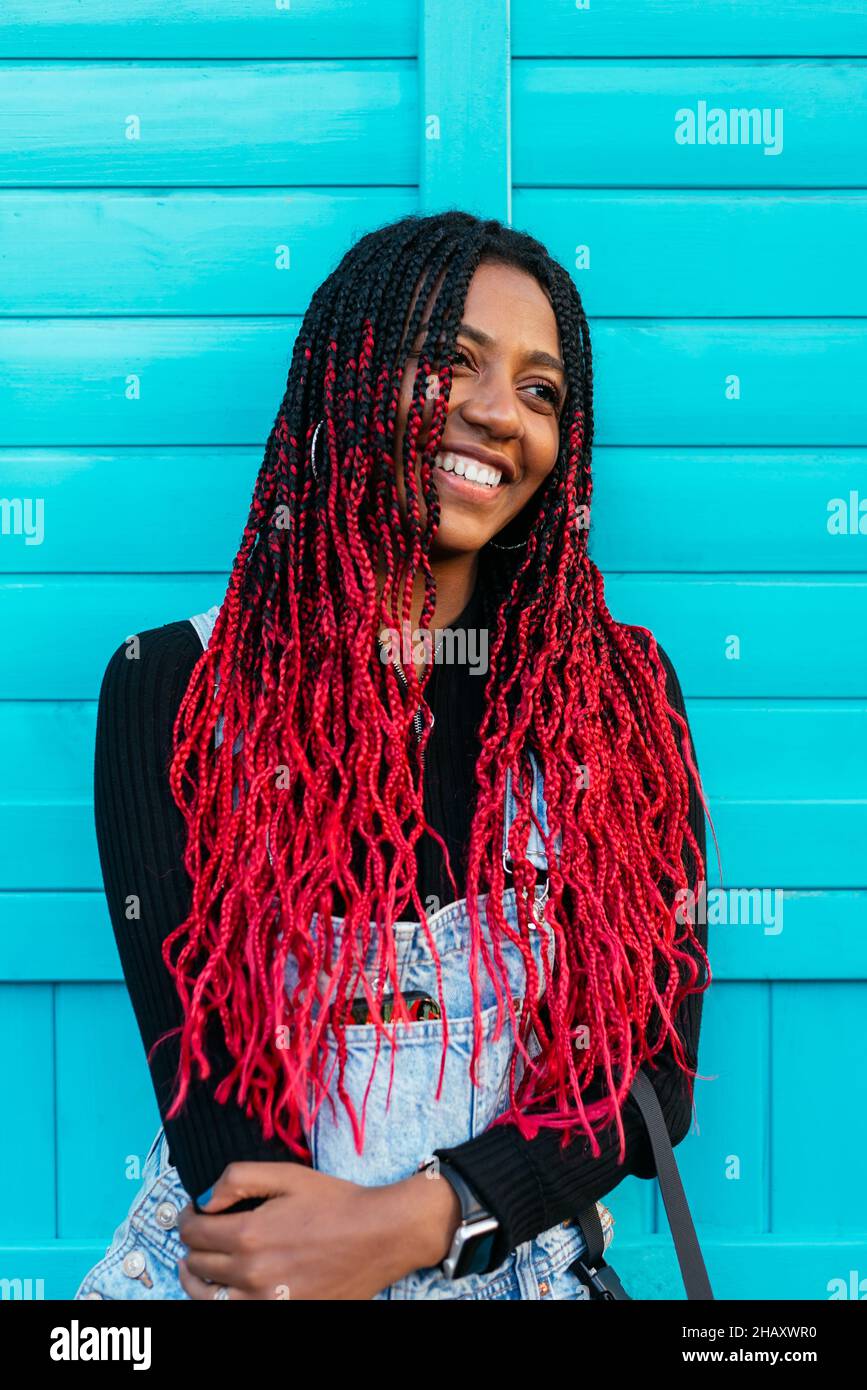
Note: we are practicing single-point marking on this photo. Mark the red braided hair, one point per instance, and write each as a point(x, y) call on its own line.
point(316, 788)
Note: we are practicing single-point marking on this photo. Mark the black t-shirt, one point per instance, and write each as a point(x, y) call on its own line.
point(530, 1185)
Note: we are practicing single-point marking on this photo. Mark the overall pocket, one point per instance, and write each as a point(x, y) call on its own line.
point(404, 1127)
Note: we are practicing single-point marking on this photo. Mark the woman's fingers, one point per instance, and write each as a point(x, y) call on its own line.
point(212, 1232)
point(241, 1180)
point(198, 1289)
point(211, 1265)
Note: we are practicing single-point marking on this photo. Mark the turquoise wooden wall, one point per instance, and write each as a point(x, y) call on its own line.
point(174, 183)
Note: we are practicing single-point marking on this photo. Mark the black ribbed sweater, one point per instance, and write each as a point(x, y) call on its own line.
point(530, 1185)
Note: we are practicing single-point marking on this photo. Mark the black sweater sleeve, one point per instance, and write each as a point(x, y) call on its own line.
point(140, 836)
point(533, 1184)
point(529, 1184)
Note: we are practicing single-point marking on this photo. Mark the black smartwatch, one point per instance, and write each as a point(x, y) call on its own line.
point(473, 1241)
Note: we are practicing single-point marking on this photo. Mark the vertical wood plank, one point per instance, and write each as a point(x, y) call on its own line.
point(818, 1117)
point(107, 1114)
point(464, 93)
point(27, 1153)
point(725, 1165)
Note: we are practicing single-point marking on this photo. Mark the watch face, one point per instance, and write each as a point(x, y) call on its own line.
point(475, 1254)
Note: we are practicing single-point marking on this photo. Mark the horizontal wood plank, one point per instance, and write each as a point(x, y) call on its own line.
point(647, 28)
point(767, 845)
point(747, 749)
point(181, 251)
point(677, 253)
point(49, 936)
point(671, 254)
point(134, 510)
point(694, 382)
point(653, 122)
point(196, 29)
point(785, 818)
point(336, 121)
point(743, 636)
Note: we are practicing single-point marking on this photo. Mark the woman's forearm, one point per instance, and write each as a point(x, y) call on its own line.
point(139, 832)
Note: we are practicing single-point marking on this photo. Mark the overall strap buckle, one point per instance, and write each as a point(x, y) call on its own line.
point(536, 844)
point(601, 1280)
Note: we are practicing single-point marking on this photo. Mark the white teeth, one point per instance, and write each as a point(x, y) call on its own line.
point(469, 469)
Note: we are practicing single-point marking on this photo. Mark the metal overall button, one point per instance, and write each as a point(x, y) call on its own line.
point(134, 1266)
point(166, 1215)
point(539, 908)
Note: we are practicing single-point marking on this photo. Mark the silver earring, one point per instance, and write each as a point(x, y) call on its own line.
point(313, 450)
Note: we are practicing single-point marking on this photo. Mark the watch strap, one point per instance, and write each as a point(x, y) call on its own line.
point(470, 1249)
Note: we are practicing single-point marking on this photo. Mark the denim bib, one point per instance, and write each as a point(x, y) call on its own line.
point(401, 1129)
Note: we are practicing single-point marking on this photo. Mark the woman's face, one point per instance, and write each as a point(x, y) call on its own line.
point(503, 421)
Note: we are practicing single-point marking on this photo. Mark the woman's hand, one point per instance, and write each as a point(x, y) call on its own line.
point(316, 1237)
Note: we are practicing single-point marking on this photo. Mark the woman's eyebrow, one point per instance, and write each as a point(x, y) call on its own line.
point(537, 357)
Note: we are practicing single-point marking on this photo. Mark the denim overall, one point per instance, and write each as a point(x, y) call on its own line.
point(141, 1260)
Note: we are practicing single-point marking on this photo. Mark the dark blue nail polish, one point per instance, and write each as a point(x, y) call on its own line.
point(205, 1198)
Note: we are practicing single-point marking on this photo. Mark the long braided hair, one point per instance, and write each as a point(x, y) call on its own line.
point(293, 763)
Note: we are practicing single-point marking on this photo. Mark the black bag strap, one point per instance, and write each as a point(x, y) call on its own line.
point(594, 1237)
point(599, 1277)
point(689, 1256)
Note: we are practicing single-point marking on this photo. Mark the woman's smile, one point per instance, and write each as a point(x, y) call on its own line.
point(466, 476)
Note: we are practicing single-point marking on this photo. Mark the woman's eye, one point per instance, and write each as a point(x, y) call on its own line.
point(553, 395)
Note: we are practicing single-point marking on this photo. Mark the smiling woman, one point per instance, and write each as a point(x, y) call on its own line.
point(320, 838)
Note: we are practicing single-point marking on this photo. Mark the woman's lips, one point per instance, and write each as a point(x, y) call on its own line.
point(463, 487)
